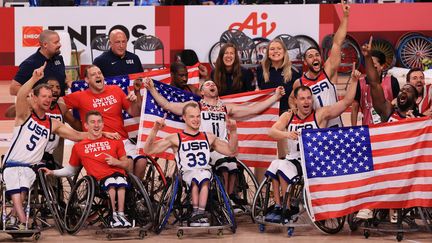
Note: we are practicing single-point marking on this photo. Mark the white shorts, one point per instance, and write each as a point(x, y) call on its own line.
point(115, 181)
point(226, 164)
point(131, 151)
point(283, 168)
point(18, 179)
point(199, 176)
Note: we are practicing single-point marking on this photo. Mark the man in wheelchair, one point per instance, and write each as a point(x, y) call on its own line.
point(288, 171)
point(192, 150)
point(106, 160)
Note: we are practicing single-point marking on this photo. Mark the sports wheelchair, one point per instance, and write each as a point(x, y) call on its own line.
point(43, 207)
point(296, 215)
point(405, 221)
point(89, 204)
point(176, 200)
point(246, 186)
point(155, 180)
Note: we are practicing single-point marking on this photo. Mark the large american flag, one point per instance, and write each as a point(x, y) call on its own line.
point(126, 82)
point(381, 166)
point(256, 148)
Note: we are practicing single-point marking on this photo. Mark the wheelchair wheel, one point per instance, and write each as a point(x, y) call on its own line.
point(222, 211)
point(305, 43)
point(79, 205)
point(387, 48)
point(260, 49)
point(137, 204)
point(350, 52)
point(413, 50)
point(55, 204)
point(247, 186)
point(426, 216)
point(166, 205)
point(154, 180)
point(262, 203)
point(328, 226)
point(405, 36)
point(214, 53)
point(353, 222)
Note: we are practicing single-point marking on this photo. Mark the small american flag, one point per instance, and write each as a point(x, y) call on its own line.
point(126, 83)
point(381, 166)
point(256, 148)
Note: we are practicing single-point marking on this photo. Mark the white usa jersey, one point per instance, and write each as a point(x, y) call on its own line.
point(324, 93)
point(298, 124)
point(213, 119)
point(29, 140)
point(54, 113)
point(193, 151)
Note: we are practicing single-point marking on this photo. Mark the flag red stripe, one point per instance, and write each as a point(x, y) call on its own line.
point(393, 190)
point(254, 150)
point(255, 124)
point(370, 181)
point(387, 204)
point(252, 163)
point(257, 137)
point(401, 149)
point(400, 135)
point(402, 162)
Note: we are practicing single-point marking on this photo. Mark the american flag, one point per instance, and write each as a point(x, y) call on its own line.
point(126, 82)
point(381, 166)
point(256, 148)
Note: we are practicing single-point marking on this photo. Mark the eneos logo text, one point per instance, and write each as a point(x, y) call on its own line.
point(30, 35)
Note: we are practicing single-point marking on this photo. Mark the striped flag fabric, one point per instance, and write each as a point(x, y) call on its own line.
point(126, 83)
point(256, 148)
point(379, 166)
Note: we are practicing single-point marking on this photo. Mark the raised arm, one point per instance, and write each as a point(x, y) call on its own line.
point(332, 64)
point(278, 130)
point(173, 107)
point(227, 148)
point(153, 147)
point(329, 112)
point(380, 103)
point(22, 104)
point(243, 111)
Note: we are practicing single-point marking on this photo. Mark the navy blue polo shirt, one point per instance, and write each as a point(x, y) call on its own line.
point(113, 65)
point(276, 79)
point(55, 68)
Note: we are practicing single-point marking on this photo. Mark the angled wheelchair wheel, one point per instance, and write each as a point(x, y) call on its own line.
point(262, 202)
point(260, 49)
point(350, 52)
point(154, 180)
point(79, 205)
point(403, 37)
point(413, 50)
point(53, 200)
point(328, 226)
point(246, 186)
point(305, 42)
point(387, 48)
point(214, 53)
point(138, 205)
point(221, 210)
point(166, 205)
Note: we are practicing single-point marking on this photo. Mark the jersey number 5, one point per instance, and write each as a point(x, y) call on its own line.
point(32, 144)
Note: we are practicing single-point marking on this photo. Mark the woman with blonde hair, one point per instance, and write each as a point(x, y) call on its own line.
point(276, 70)
point(228, 75)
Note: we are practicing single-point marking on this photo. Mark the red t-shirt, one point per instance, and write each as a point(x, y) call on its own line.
point(109, 103)
point(92, 153)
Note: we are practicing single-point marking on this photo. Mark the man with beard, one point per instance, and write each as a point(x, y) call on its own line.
point(288, 171)
point(416, 77)
point(48, 52)
point(318, 77)
point(179, 78)
point(405, 106)
point(406, 99)
point(363, 99)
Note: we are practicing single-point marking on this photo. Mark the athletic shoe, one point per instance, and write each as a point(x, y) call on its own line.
point(115, 222)
point(365, 214)
point(11, 221)
point(274, 216)
point(204, 222)
point(20, 226)
point(195, 222)
point(237, 200)
point(122, 218)
point(393, 216)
